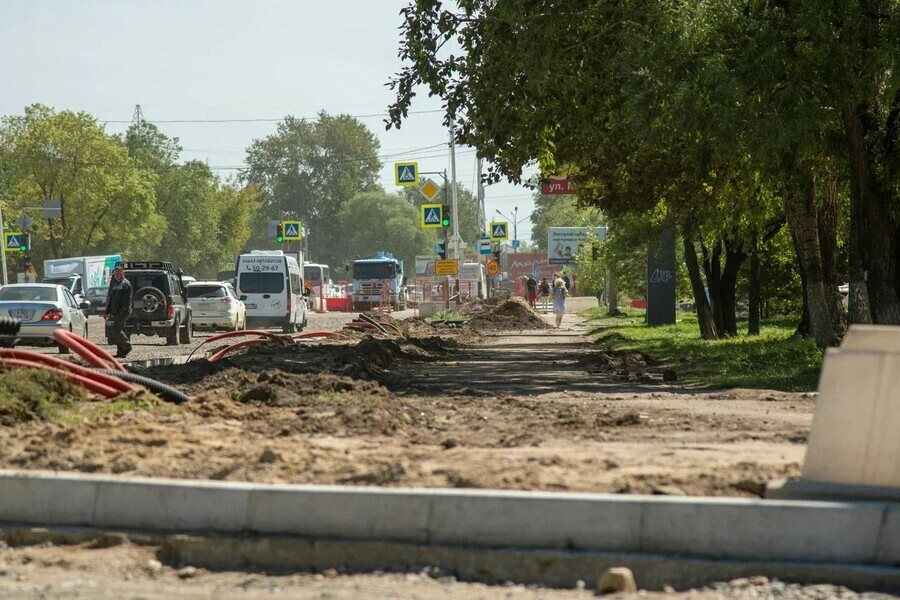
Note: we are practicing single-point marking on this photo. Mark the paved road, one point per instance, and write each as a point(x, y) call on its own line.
point(148, 348)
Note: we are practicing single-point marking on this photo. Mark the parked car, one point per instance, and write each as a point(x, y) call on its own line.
point(96, 297)
point(160, 307)
point(216, 305)
point(42, 308)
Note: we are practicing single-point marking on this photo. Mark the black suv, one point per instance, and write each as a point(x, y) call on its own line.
point(159, 305)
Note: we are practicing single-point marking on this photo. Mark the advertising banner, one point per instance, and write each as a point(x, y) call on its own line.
point(564, 243)
point(525, 263)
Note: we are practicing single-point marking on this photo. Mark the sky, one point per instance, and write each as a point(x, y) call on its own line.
point(194, 60)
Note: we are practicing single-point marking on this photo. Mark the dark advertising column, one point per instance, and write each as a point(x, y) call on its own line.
point(661, 280)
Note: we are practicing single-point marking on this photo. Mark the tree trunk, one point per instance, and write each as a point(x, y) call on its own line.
point(713, 269)
point(859, 310)
point(829, 248)
point(612, 298)
point(877, 233)
point(755, 292)
point(734, 258)
point(705, 319)
point(800, 209)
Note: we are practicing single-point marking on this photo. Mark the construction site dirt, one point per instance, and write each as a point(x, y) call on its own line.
point(503, 403)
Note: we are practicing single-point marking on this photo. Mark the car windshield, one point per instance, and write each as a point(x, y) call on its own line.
point(261, 283)
point(28, 294)
point(206, 291)
point(385, 270)
point(97, 292)
point(312, 274)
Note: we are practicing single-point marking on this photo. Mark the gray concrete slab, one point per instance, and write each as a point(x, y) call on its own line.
point(752, 529)
point(61, 499)
point(495, 519)
point(351, 512)
point(172, 505)
point(724, 528)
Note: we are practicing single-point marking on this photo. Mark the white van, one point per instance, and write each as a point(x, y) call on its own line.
point(472, 280)
point(270, 284)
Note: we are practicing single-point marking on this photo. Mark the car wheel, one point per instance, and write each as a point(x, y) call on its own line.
point(63, 349)
point(186, 332)
point(172, 336)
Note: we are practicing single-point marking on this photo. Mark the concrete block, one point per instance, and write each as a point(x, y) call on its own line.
point(172, 505)
point(750, 529)
point(497, 519)
point(889, 538)
point(46, 498)
point(576, 304)
point(872, 338)
point(854, 438)
point(333, 511)
point(804, 489)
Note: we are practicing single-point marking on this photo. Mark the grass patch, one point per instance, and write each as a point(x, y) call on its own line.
point(772, 360)
point(34, 394)
point(447, 316)
point(128, 403)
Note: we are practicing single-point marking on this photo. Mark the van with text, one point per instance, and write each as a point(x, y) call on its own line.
point(270, 284)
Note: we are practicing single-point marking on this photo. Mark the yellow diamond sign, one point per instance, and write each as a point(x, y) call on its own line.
point(429, 189)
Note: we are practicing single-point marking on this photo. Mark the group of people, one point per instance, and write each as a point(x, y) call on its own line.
point(559, 289)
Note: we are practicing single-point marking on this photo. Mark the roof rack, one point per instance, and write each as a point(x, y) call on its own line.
point(147, 264)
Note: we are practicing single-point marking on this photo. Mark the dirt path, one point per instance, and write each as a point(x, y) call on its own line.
point(535, 409)
point(532, 409)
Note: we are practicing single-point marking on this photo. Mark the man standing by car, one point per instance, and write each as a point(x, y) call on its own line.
point(118, 309)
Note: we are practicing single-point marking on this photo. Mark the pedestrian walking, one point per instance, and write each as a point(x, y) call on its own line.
point(545, 293)
point(559, 299)
point(568, 282)
point(531, 285)
point(118, 309)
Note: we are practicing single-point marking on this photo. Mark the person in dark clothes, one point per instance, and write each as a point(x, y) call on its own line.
point(118, 309)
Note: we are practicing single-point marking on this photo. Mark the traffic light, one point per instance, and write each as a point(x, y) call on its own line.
point(279, 233)
point(442, 250)
point(445, 216)
point(26, 242)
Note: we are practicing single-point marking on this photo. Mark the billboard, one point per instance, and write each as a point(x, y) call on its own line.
point(563, 243)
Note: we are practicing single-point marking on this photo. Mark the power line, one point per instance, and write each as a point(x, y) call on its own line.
point(269, 120)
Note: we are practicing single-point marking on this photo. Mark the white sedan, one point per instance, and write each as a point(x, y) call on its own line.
point(41, 308)
point(215, 305)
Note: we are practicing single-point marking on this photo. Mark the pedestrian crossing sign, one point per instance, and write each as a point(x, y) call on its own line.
point(14, 240)
point(406, 174)
point(293, 230)
point(499, 231)
point(432, 216)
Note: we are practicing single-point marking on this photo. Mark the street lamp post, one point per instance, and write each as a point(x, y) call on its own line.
point(515, 224)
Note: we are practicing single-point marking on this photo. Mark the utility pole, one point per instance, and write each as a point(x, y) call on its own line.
point(3, 246)
point(453, 194)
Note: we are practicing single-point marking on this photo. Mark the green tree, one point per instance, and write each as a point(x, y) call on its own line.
point(108, 202)
point(207, 223)
point(373, 221)
point(310, 170)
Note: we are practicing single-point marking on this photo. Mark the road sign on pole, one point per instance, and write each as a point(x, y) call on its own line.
point(406, 174)
point(15, 241)
point(484, 245)
point(431, 216)
point(430, 189)
point(293, 230)
point(499, 231)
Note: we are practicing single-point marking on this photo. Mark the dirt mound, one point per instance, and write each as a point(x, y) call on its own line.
point(319, 403)
point(34, 394)
point(417, 327)
point(511, 313)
